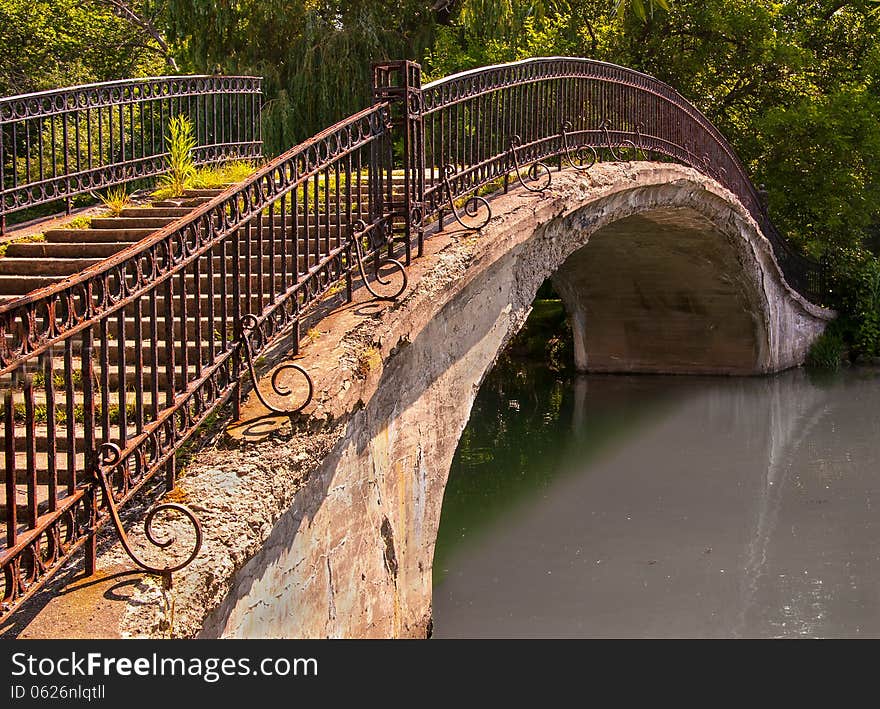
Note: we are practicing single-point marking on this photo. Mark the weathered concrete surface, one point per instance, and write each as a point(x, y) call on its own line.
point(328, 528)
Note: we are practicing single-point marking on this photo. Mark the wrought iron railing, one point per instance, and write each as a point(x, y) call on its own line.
point(559, 107)
point(57, 144)
point(150, 342)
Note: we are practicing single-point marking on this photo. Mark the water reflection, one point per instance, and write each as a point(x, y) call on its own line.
point(663, 506)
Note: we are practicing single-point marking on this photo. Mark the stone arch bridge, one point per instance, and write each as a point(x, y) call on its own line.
point(402, 248)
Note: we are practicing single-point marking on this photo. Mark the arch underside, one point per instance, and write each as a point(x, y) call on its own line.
point(663, 291)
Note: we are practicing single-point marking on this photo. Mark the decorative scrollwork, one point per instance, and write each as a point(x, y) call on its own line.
point(358, 229)
point(515, 142)
point(109, 457)
point(249, 324)
point(605, 127)
point(471, 206)
point(577, 157)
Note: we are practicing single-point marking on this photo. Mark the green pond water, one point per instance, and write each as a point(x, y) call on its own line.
point(650, 506)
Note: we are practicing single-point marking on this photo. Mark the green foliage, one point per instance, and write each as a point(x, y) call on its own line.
point(640, 8)
point(179, 165)
point(214, 176)
point(855, 289)
point(115, 200)
point(46, 44)
point(827, 351)
point(315, 55)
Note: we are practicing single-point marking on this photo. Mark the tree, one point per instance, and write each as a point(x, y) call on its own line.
point(315, 55)
point(46, 44)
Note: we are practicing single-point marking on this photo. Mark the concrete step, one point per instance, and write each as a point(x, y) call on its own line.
point(23, 266)
point(144, 222)
point(96, 235)
point(43, 249)
point(20, 285)
point(154, 212)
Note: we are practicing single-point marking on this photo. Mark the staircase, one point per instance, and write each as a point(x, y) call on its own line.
point(160, 362)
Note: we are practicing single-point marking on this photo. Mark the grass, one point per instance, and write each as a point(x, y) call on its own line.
point(179, 165)
point(826, 352)
point(216, 176)
point(81, 222)
point(368, 360)
point(115, 200)
point(30, 238)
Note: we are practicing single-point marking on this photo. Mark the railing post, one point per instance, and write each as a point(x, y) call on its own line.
point(400, 83)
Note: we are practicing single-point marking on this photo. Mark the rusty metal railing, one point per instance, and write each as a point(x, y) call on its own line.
point(565, 108)
point(57, 144)
point(108, 373)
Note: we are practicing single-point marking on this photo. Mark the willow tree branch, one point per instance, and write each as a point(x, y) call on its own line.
point(123, 9)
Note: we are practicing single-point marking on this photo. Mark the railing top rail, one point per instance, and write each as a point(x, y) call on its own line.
point(119, 83)
point(657, 85)
point(536, 60)
point(124, 91)
point(140, 247)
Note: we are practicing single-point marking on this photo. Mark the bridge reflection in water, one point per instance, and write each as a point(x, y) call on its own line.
point(662, 506)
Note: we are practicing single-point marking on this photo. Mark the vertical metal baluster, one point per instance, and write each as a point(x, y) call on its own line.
point(209, 314)
point(121, 383)
point(30, 452)
point(316, 202)
point(327, 246)
point(349, 266)
point(170, 386)
point(184, 329)
point(260, 285)
point(89, 443)
point(51, 444)
point(236, 322)
point(197, 320)
point(105, 379)
point(294, 241)
point(110, 137)
point(283, 243)
point(70, 422)
point(248, 266)
point(27, 151)
point(138, 364)
point(154, 353)
point(121, 134)
point(65, 141)
point(224, 296)
point(336, 195)
point(9, 450)
point(271, 292)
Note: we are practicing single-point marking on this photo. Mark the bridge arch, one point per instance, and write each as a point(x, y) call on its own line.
point(353, 555)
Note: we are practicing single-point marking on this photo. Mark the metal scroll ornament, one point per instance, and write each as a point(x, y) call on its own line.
point(358, 229)
point(472, 206)
point(605, 127)
point(249, 325)
point(582, 157)
point(536, 169)
point(109, 456)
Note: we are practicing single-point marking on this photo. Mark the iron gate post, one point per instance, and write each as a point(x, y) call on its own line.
point(400, 83)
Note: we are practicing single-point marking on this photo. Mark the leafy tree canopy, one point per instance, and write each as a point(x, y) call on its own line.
point(46, 44)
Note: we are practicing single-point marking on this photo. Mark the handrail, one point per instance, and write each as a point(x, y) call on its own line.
point(603, 106)
point(187, 309)
point(60, 143)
